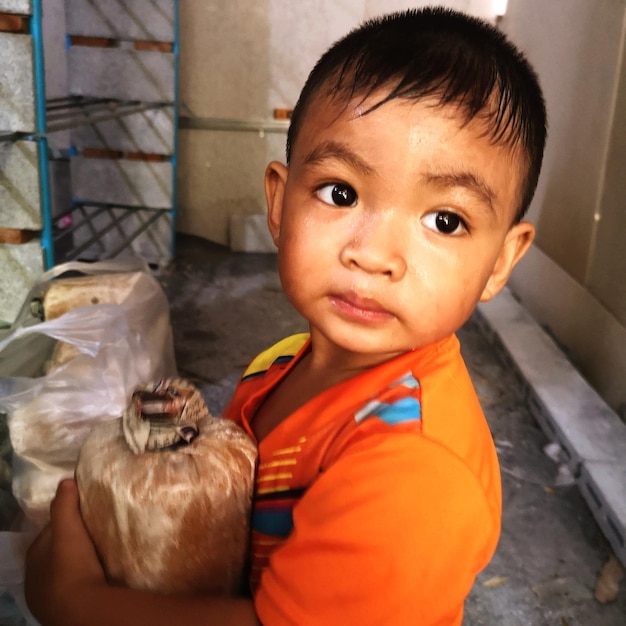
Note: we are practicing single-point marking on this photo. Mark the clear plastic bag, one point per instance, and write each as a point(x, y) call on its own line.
point(114, 347)
point(117, 347)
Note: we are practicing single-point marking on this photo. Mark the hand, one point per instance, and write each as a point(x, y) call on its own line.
point(66, 585)
point(61, 559)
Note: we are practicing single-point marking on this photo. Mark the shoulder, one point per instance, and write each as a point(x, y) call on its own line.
point(453, 419)
point(263, 373)
point(282, 351)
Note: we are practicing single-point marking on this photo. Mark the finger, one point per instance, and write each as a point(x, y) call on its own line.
point(65, 517)
point(40, 545)
point(65, 507)
point(70, 538)
point(66, 521)
point(43, 540)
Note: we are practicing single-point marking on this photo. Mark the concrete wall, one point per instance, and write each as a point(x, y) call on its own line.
point(239, 61)
point(573, 281)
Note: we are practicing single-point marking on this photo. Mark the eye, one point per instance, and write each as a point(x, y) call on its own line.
point(337, 194)
point(445, 222)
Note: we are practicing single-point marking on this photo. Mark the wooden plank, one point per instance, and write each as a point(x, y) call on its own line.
point(16, 235)
point(154, 46)
point(92, 42)
point(103, 153)
point(283, 114)
point(10, 23)
point(110, 42)
point(146, 156)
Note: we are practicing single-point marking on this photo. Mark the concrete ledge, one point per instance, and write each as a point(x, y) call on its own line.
point(569, 411)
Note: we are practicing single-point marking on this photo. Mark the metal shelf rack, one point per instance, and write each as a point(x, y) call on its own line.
point(89, 171)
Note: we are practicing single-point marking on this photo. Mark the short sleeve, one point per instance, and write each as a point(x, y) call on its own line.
point(393, 533)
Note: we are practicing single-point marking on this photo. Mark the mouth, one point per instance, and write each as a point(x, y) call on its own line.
point(353, 306)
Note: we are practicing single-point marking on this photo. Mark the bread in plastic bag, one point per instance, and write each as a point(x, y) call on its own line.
point(166, 493)
point(118, 345)
point(115, 338)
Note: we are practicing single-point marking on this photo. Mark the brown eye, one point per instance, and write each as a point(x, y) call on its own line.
point(337, 194)
point(445, 222)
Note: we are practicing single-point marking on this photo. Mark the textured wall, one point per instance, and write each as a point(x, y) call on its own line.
point(16, 6)
point(240, 60)
point(17, 112)
point(19, 185)
point(19, 177)
point(575, 47)
point(607, 272)
point(573, 279)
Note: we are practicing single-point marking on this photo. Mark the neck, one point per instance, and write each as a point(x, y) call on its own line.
point(327, 357)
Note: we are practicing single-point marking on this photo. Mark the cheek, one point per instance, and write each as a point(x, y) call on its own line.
point(298, 257)
point(310, 237)
point(445, 276)
point(429, 263)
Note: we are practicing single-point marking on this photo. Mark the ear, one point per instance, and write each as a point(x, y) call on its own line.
point(275, 181)
point(516, 243)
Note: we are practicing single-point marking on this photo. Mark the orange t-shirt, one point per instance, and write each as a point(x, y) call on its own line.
point(378, 501)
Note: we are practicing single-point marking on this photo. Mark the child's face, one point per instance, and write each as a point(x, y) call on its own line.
point(393, 225)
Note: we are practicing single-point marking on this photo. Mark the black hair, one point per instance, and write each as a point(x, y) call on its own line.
point(440, 53)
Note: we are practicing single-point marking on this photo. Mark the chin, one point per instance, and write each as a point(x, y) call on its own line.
point(366, 344)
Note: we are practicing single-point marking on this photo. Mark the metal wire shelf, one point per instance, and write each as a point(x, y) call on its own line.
point(73, 111)
point(99, 230)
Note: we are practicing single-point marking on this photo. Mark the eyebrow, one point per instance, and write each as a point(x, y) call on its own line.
point(335, 150)
point(466, 180)
point(329, 150)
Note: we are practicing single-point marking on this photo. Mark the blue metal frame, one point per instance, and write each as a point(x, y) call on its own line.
point(176, 52)
point(40, 136)
point(42, 143)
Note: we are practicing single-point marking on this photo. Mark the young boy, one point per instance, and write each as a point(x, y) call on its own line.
point(413, 153)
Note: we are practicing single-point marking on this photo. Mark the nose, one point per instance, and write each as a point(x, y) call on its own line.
point(375, 245)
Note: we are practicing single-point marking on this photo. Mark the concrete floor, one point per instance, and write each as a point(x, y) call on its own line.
point(226, 307)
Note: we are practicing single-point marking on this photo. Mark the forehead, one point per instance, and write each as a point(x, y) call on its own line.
point(401, 134)
point(326, 115)
point(487, 123)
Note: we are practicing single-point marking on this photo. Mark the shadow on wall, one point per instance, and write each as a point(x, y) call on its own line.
point(225, 61)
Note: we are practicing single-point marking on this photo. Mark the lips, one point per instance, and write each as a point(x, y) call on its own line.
point(353, 306)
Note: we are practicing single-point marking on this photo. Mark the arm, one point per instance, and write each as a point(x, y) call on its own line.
point(65, 583)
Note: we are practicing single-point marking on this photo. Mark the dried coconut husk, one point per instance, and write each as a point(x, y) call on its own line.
point(172, 519)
